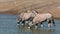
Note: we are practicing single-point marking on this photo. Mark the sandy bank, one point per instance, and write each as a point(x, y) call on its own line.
point(42, 6)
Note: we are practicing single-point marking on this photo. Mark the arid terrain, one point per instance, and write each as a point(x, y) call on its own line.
point(9, 9)
point(19, 6)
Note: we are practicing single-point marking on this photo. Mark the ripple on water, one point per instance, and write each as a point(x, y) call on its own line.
point(8, 25)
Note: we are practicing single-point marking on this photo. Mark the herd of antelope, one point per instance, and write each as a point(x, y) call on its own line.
point(33, 18)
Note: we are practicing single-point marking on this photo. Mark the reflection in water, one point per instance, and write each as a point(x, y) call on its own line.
point(25, 30)
point(8, 25)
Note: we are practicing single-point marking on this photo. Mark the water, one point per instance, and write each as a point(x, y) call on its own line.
point(8, 25)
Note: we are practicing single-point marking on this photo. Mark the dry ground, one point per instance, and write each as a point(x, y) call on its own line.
point(19, 6)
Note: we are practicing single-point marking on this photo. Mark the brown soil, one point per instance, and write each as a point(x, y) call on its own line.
point(42, 6)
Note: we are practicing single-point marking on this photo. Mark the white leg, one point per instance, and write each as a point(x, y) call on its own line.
point(36, 27)
point(41, 25)
point(22, 24)
point(49, 25)
point(26, 22)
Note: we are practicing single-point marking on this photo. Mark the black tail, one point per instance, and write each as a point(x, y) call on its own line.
point(53, 21)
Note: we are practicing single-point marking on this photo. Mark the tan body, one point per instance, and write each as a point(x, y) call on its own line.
point(40, 18)
point(26, 16)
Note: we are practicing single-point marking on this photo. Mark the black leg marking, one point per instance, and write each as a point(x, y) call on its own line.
point(23, 22)
point(53, 22)
point(37, 24)
point(41, 23)
point(49, 21)
point(18, 22)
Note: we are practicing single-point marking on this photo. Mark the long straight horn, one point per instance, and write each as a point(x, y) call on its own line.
point(36, 11)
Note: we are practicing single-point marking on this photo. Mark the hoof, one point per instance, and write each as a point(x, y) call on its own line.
point(49, 25)
point(28, 27)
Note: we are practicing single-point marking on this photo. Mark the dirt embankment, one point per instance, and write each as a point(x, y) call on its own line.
point(18, 6)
